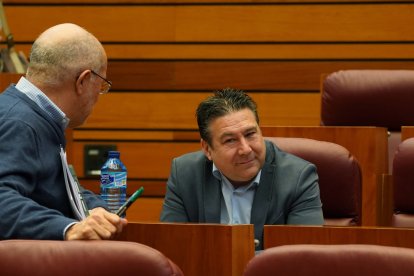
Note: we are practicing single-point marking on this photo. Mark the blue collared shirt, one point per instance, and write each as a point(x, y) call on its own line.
point(36, 95)
point(236, 203)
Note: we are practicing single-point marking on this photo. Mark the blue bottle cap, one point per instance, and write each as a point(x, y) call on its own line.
point(113, 154)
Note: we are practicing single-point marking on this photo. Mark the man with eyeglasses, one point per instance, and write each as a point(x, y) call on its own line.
point(63, 82)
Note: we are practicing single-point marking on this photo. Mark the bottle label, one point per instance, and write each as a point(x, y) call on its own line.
point(113, 179)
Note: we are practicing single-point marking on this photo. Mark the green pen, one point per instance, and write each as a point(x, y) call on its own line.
point(130, 200)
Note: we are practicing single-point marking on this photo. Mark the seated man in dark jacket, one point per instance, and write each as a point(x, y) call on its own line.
point(238, 177)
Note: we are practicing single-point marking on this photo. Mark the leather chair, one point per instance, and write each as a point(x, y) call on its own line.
point(332, 260)
point(382, 98)
point(340, 180)
point(403, 182)
point(76, 258)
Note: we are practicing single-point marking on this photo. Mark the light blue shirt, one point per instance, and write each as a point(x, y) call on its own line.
point(36, 95)
point(236, 203)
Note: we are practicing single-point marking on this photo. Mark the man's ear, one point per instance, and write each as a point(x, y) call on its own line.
point(206, 149)
point(81, 81)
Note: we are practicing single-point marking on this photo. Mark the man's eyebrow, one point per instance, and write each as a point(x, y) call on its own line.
point(253, 128)
point(230, 134)
point(226, 134)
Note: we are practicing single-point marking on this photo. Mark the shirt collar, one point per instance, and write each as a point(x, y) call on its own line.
point(36, 95)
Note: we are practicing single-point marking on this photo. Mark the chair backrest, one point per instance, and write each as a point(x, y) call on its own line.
point(44, 257)
point(403, 182)
point(368, 98)
point(382, 98)
point(340, 180)
point(337, 260)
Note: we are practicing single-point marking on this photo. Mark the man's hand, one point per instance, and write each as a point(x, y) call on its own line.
point(99, 225)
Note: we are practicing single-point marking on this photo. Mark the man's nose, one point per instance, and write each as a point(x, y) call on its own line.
point(244, 147)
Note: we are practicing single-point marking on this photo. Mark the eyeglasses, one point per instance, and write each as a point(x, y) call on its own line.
point(106, 84)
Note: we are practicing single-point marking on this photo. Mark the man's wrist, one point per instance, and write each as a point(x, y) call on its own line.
point(67, 229)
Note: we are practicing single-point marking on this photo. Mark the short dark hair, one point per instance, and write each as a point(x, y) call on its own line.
point(223, 102)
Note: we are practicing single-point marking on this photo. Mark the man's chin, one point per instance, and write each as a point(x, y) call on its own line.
point(73, 124)
point(249, 175)
point(251, 166)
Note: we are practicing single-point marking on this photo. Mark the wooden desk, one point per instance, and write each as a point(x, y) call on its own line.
point(276, 235)
point(198, 249)
point(407, 132)
point(145, 209)
point(367, 144)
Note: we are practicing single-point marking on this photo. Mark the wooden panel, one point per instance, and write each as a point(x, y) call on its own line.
point(407, 132)
point(181, 1)
point(177, 110)
point(198, 249)
point(216, 23)
point(145, 210)
point(69, 144)
point(143, 159)
point(272, 76)
point(367, 144)
point(7, 78)
point(302, 76)
point(284, 235)
point(260, 51)
point(133, 135)
point(253, 51)
point(387, 200)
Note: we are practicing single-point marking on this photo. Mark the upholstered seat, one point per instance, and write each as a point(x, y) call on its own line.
point(403, 180)
point(332, 260)
point(339, 177)
point(76, 258)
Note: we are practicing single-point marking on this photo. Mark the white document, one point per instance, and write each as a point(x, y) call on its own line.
point(72, 188)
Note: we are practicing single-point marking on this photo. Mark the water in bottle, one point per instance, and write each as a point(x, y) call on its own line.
point(113, 181)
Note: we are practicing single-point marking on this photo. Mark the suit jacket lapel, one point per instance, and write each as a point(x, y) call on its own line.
point(262, 196)
point(212, 195)
point(264, 191)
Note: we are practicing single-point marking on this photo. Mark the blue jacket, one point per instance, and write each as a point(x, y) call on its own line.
point(33, 199)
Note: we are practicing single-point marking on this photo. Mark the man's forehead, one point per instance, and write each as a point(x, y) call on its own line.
point(234, 120)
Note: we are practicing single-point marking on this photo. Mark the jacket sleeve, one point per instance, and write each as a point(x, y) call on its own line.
point(21, 216)
point(93, 200)
point(306, 209)
point(173, 209)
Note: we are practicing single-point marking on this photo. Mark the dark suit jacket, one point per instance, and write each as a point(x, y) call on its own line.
point(288, 192)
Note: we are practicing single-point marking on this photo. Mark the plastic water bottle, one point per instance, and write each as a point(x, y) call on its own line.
point(113, 181)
